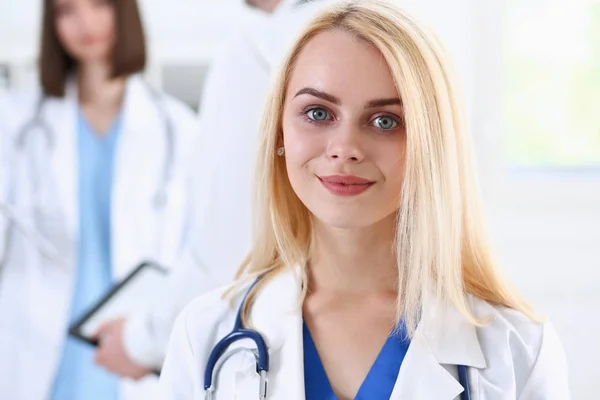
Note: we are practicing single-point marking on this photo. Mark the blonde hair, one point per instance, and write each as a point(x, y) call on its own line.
point(441, 243)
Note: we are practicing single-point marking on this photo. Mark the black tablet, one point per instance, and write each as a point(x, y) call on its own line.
point(134, 293)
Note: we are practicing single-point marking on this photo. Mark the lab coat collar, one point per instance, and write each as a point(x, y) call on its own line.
point(61, 117)
point(443, 339)
point(137, 96)
point(452, 339)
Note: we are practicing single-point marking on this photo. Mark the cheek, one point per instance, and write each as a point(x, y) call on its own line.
point(392, 163)
point(108, 22)
point(66, 30)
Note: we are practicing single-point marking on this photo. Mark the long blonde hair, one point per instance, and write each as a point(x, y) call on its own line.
point(441, 243)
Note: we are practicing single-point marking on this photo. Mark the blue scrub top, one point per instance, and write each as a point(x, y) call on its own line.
point(380, 381)
point(78, 377)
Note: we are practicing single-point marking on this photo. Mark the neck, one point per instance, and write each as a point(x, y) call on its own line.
point(267, 6)
point(97, 87)
point(354, 260)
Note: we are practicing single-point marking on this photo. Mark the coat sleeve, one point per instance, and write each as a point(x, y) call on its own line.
point(180, 378)
point(549, 379)
point(146, 334)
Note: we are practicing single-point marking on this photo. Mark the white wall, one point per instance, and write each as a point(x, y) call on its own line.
point(546, 225)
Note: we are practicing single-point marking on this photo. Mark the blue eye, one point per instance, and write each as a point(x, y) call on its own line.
point(318, 114)
point(385, 123)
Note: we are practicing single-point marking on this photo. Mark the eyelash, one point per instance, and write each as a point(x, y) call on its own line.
point(307, 110)
point(304, 114)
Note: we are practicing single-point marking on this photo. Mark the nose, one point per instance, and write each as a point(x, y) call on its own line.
point(87, 15)
point(345, 145)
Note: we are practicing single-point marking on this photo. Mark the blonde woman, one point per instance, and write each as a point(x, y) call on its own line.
point(371, 275)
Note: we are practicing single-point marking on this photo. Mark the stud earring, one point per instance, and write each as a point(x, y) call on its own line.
point(281, 151)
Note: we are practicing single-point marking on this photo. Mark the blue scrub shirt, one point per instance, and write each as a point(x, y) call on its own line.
point(78, 377)
point(380, 381)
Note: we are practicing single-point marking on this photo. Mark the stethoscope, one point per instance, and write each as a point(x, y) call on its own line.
point(219, 355)
point(22, 145)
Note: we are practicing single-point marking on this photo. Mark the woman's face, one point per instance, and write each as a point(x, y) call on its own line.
point(343, 132)
point(86, 28)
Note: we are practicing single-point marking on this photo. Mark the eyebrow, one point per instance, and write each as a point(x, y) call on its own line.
point(332, 99)
point(384, 102)
point(317, 93)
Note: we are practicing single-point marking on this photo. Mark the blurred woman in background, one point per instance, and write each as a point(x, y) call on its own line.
point(94, 185)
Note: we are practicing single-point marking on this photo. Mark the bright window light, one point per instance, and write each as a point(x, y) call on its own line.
point(551, 104)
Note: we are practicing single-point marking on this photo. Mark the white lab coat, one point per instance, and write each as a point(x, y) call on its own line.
point(36, 292)
point(513, 358)
point(232, 104)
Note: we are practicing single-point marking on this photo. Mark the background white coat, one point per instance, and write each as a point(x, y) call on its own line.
point(36, 292)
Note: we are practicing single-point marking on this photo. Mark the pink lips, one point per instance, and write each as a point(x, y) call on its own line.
point(93, 40)
point(345, 185)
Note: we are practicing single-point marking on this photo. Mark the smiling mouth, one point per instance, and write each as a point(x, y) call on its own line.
point(346, 185)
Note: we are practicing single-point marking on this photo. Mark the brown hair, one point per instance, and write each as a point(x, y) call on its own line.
point(129, 55)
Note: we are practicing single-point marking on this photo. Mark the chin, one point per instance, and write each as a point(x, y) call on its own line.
point(344, 220)
point(92, 54)
point(354, 218)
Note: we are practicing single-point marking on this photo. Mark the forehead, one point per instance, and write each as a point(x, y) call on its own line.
point(344, 65)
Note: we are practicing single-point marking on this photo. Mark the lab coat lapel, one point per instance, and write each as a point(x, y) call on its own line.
point(61, 117)
point(443, 340)
point(138, 162)
point(277, 315)
point(422, 377)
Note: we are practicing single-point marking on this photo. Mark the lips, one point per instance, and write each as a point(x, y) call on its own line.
point(92, 40)
point(345, 185)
